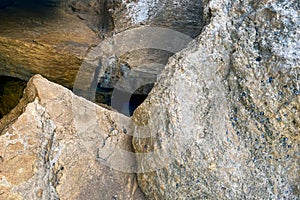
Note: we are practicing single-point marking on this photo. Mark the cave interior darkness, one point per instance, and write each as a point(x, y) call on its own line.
point(104, 96)
point(11, 91)
point(27, 4)
point(45, 8)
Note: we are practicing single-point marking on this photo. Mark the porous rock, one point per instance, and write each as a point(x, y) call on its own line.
point(224, 115)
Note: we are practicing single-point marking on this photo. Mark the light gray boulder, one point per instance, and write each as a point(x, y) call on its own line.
point(223, 120)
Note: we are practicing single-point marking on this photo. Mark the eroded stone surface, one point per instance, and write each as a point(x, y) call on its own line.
point(225, 113)
point(145, 56)
point(183, 16)
point(49, 151)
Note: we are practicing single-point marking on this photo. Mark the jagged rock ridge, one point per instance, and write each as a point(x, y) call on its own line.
point(45, 152)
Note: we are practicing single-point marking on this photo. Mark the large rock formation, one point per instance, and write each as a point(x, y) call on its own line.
point(221, 123)
point(38, 36)
point(224, 117)
point(184, 16)
point(43, 39)
point(45, 152)
point(137, 61)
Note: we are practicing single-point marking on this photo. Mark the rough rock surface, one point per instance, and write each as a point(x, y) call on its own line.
point(37, 36)
point(225, 113)
point(184, 16)
point(45, 152)
point(45, 40)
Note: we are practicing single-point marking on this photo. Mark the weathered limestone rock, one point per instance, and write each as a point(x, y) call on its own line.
point(45, 150)
point(124, 71)
point(225, 115)
point(184, 16)
point(36, 36)
point(43, 40)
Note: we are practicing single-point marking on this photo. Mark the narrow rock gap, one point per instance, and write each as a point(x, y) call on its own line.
point(11, 91)
point(105, 19)
point(128, 80)
point(193, 26)
point(126, 103)
point(108, 95)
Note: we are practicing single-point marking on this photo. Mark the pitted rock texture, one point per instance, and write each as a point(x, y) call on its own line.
point(225, 112)
point(45, 152)
point(182, 16)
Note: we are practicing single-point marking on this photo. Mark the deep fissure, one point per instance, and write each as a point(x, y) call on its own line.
point(11, 91)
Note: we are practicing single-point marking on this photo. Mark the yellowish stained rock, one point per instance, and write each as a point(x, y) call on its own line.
point(49, 145)
point(52, 44)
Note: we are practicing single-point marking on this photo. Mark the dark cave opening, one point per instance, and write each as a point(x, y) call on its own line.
point(22, 10)
point(135, 101)
point(122, 101)
point(27, 3)
point(11, 91)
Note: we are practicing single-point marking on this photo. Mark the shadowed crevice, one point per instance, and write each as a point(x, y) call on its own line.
point(11, 91)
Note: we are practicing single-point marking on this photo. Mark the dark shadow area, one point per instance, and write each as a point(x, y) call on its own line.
point(41, 8)
point(27, 4)
point(11, 91)
point(6, 3)
point(103, 95)
point(135, 101)
point(120, 98)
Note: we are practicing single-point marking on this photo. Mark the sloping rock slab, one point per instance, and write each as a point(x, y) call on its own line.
point(44, 41)
point(45, 152)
